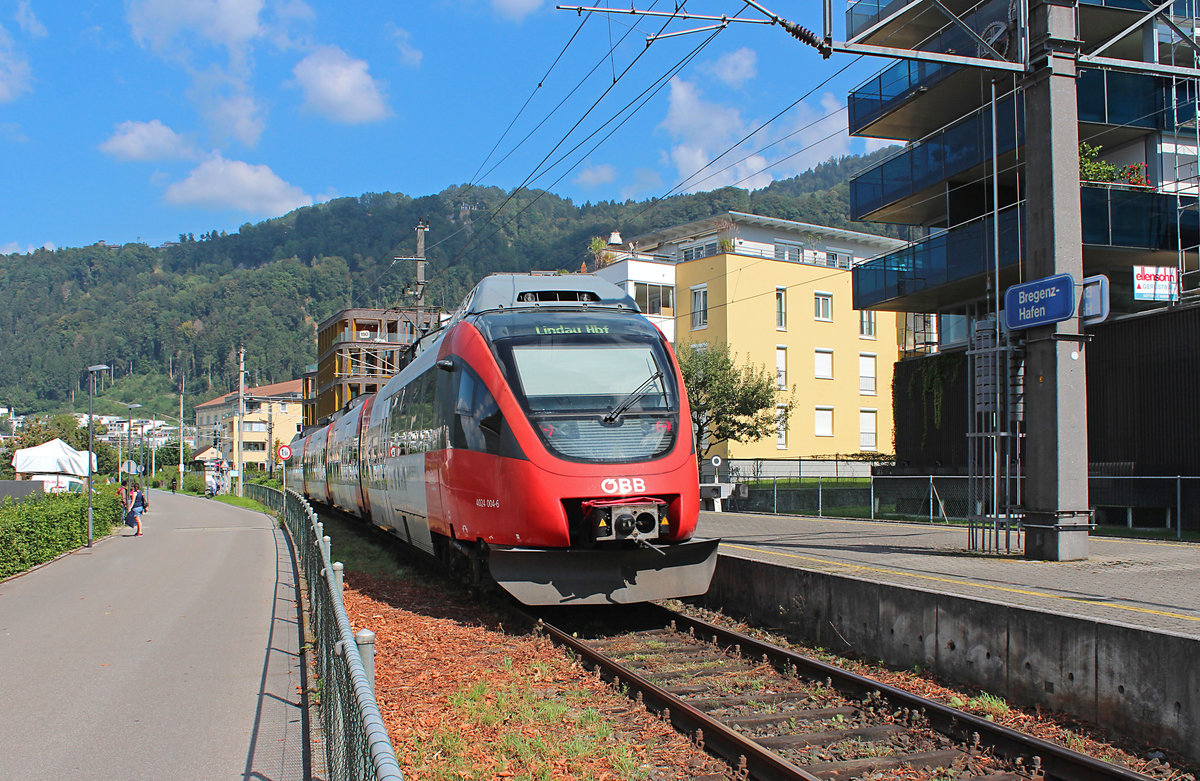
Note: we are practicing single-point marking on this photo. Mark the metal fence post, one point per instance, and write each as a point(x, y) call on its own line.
point(325, 545)
point(872, 497)
point(820, 501)
point(338, 574)
point(775, 494)
point(1178, 507)
point(365, 639)
point(931, 498)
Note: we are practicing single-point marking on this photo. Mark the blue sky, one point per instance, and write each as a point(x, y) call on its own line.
point(146, 119)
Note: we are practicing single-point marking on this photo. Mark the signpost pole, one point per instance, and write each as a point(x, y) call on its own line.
point(1057, 518)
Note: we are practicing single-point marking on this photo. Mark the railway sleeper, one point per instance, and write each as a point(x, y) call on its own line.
point(779, 717)
point(755, 699)
point(851, 768)
point(871, 732)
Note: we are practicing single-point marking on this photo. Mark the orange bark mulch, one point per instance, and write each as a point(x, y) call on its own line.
point(463, 699)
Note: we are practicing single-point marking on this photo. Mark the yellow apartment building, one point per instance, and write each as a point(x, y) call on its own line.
point(779, 293)
point(273, 414)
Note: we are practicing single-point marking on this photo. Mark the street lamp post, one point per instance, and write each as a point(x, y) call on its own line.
point(129, 434)
point(91, 453)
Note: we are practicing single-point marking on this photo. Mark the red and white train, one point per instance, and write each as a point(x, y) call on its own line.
point(541, 439)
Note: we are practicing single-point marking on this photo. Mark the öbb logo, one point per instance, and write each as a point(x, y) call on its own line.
point(622, 485)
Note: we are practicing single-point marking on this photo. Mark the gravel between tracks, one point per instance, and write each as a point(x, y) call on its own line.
point(464, 699)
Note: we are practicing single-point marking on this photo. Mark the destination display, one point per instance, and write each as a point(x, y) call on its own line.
point(1040, 302)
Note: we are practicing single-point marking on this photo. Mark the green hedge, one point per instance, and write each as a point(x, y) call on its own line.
point(37, 529)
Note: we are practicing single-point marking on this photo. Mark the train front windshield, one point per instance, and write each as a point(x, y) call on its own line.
point(597, 388)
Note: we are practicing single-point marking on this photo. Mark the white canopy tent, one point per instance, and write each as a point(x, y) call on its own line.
point(52, 458)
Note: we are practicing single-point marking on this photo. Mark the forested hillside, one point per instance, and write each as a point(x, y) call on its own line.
point(185, 307)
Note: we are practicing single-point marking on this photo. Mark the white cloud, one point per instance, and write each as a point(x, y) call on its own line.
point(645, 180)
point(11, 131)
point(516, 9)
point(218, 183)
point(338, 86)
point(228, 23)
point(146, 141)
point(15, 74)
point(238, 116)
point(596, 175)
point(735, 68)
point(28, 22)
point(703, 130)
point(13, 248)
point(409, 54)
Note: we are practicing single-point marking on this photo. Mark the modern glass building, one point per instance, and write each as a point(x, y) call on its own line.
point(961, 175)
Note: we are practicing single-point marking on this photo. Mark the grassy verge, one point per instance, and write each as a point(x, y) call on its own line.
point(360, 549)
point(241, 501)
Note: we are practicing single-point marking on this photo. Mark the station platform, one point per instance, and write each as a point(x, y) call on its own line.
point(171, 655)
point(1144, 584)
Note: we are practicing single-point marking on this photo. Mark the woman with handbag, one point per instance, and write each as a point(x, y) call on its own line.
point(136, 505)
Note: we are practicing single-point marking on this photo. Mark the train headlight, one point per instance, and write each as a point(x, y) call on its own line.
point(615, 520)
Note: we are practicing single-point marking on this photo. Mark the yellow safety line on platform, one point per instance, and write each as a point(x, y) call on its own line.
point(1026, 592)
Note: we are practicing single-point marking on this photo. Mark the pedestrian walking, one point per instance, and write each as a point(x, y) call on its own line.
point(173, 485)
point(136, 506)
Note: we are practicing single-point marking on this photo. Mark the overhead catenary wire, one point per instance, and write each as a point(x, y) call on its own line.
point(538, 172)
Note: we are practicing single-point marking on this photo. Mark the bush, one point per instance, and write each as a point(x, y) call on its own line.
point(38, 529)
point(193, 483)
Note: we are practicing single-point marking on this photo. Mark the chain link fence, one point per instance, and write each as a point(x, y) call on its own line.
point(357, 747)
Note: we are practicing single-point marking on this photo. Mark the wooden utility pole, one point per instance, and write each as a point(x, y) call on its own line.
point(241, 411)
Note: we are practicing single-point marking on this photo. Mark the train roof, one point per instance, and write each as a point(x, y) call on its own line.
point(514, 291)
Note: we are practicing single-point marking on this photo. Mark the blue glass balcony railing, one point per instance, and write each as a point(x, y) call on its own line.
point(1137, 219)
point(1104, 97)
point(1111, 216)
point(939, 157)
point(956, 254)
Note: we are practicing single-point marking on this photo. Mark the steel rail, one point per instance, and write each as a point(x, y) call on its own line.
point(762, 763)
point(1056, 761)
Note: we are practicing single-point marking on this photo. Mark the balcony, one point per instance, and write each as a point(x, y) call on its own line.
point(885, 106)
point(942, 269)
point(1121, 227)
point(901, 188)
point(1114, 107)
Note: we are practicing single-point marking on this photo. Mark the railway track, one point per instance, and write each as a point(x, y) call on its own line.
point(775, 714)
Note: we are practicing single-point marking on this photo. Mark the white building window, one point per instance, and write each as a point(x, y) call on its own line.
point(823, 364)
point(866, 430)
point(256, 426)
point(697, 251)
point(789, 251)
point(823, 422)
point(781, 308)
point(283, 406)
point(781, 367)
point(781, 427)
point(823, 306)
point(837, 260)
point(866, 324)
point(866, 374)
point(700, 307)
point(654, 299)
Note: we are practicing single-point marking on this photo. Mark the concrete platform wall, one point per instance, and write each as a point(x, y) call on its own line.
point(1142, 684)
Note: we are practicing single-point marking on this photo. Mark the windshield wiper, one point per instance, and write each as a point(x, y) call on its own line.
point(634, 395)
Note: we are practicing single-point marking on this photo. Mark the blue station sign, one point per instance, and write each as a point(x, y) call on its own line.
point(1040, 302)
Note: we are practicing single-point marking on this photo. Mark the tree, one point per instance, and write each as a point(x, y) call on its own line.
point(730, 402)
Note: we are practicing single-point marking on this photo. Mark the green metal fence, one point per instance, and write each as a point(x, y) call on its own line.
point(357, 746)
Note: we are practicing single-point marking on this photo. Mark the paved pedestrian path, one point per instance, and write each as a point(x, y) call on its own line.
point(1141, 583)
point(174, 655)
